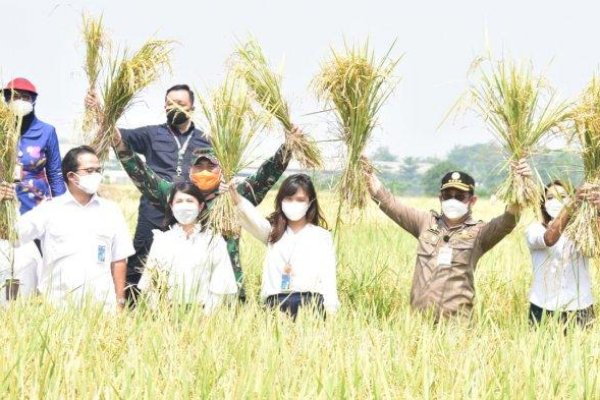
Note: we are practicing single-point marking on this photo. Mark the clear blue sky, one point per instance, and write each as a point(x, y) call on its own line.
point(41, 40)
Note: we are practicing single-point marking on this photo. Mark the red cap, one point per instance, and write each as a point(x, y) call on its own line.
point(21, 84)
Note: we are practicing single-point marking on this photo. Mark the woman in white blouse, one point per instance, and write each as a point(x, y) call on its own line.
point(299, 268)
point(187, 264)
point(27, 265)
point(561, 286)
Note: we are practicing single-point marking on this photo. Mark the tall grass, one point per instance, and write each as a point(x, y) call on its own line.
point(375, 347)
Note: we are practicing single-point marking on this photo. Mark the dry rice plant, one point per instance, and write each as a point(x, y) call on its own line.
point(252, 65)
point(355, 84)
point(126, 78)
point(232, 124)
point(520, 109)
point(10, 130)
point(583, 227)
point(95, 41)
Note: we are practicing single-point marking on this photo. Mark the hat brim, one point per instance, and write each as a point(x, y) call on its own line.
point(456, 185)
point(205, 157)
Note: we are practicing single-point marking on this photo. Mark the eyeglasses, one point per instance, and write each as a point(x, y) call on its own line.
point(90, 171)
point(460, 196)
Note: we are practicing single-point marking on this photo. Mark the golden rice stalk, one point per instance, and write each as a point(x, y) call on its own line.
point(252, 65)
point(355, 85)
point(126, 78)
point(10, 131)
point(95, 41)
point(520, 109)
point(583, 227)
point(232, 125)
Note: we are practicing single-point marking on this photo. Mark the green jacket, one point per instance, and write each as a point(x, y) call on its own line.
point(158, 189)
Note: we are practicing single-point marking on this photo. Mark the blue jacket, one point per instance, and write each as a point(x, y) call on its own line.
point(39, 155)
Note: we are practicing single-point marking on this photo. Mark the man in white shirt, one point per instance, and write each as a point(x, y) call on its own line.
point(85, 241)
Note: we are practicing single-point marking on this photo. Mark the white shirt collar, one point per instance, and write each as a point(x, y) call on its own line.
point(67, 197)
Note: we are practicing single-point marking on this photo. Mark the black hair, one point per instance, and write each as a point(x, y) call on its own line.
point(70, 161)
point(192, 190)
point(181, 87)
point(547, 218)
point(289, 187)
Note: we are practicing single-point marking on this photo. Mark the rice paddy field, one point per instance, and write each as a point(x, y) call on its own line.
point(375, 347)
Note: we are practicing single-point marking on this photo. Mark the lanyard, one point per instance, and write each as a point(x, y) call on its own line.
point(181, 150)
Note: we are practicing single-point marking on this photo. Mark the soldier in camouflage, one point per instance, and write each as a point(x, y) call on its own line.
point(205, 173)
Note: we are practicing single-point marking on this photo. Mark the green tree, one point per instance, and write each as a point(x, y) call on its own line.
point(383, 153)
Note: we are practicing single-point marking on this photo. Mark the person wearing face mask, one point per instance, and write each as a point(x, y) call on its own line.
point(561, 286)
point(85, 240)
point(450, 243)
point(205, 173)
point(37, 174)
point(167, 149)
point(188, 262)
point(300, 264)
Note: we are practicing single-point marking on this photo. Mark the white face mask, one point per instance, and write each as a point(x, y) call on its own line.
point(454, 209)
point(89, 183)
point(294, 210)
point(553, 207)
point(185, 213)
point(21, 108)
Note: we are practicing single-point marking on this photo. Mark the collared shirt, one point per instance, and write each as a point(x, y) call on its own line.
point(443, 278)
point(309, 252)
point(27, 264)
point(561, 280)
point(160, 145)
point(79, 243)
point(195, 269)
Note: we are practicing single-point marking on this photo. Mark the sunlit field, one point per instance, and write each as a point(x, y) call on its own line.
point(375, 347)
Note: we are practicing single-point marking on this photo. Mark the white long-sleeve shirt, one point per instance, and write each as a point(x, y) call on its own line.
point(196, 269)
point(310, 252)
point(561, 279)
point(79, 244)
point(27, 265)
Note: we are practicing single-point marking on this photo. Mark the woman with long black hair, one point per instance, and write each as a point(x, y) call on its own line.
point(561, 286)
point(300, 264)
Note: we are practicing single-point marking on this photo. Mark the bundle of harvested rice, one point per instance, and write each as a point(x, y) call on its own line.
point(232, 124)
point(126, 78)
point(95, 41)
point(355, 85)
point(583, 227)
point(252, 65)
point(520, 110)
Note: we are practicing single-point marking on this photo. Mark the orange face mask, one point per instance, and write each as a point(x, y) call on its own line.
point(206, 181)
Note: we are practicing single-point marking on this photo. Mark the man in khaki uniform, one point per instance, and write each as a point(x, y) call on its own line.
point(450, 243)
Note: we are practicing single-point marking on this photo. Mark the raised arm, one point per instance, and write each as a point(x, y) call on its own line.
point(409, 218)
point(250, 218)
point(258, 185)
point(53, 167)
point(155, 188)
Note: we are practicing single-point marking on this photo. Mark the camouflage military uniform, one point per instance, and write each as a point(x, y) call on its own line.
point(157, 190)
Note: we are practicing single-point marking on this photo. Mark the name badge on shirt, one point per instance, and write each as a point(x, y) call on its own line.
point(444, 258)
point(101, 256)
